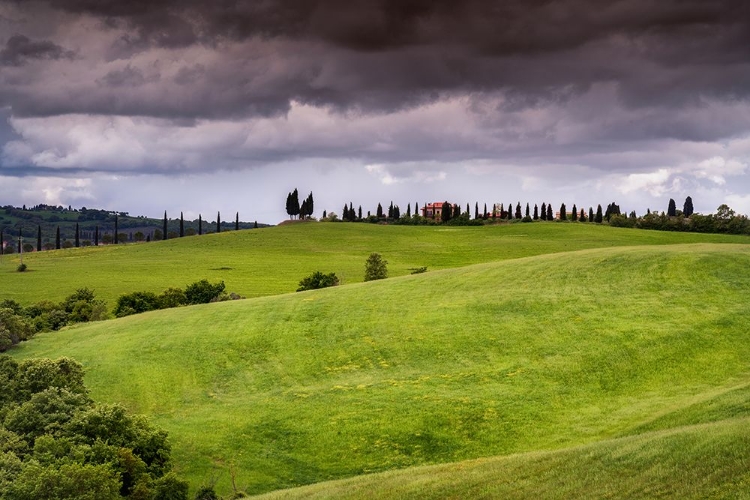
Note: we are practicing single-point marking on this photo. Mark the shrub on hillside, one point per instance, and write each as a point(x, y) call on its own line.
point(317, 280)
point(135, 303)
point(203, 292)
point(375, 267)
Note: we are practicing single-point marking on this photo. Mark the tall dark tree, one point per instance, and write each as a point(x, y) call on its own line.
point(96, 236)
point(164, 231)
point(544, 211)
point(582, 215)
point(445, 212)
point(518, 211)
point(563, 212)
point(494, 211)
point(527, 209)
point(78, 236)
point(468, 210)
point(484, 214)
point(396, 212)
point(200, 225)
point(359, 213)
point(408, 209)
point(255, 225)
point(536, 212)
point(672, 209)
point(182, 225)
point(218, 220)
point(39, 238)
point(57, 239)
point(345, 212)
point(574, 213)
point(598, 218)
point(476, 210)
point(687, 208)
point(237, 222)
point(117, 236)
point(379, 212)
point(591, 214)
point(510, 211)
point(456, 211)
point(390, 211)
point(549, 212)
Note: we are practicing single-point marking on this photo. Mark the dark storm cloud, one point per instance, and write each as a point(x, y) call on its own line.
point(19, 49)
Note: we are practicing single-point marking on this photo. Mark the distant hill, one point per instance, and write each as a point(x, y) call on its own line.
point(49, 218)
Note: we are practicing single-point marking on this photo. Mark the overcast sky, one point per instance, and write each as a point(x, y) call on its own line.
point(198, 106)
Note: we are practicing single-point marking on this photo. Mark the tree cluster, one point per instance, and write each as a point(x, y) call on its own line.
point(200, 292)
point(56, 443)
point(294, 209)
point(318, 280)
point(18, 323)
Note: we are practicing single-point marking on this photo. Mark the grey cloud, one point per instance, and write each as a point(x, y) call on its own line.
point(19, 49)
point(127, 77)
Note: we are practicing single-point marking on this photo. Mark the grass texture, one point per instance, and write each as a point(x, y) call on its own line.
point(616, 346)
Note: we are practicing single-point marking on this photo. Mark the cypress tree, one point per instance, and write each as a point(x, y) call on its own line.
point(164, 234)
point(476, 210)
point(484, 214)
point(468, 210)
point(445, 212)
point(549, 212)
point(536, 212)
point(345, 213)
point(117, 236)
point(237, 222)
point(527, 209)
point(390, 211)
point(96, 236)
point(200, 225)
point(563, 212)
point(510, 211)
point(518, 211)
point(182, 225)
point(598, 219)
point(544, 211)
point(78, 236)
point(57, 239)
point(379, 212)
point(359, 213)
point(255, 226)
point(687, 208)
point(456, 211)
point(574, 213)
point(39, 238)
point(494, 211)
point(408, 209)
point(591, 214)
point(352, 213)
point(218, 220)
point(672, 209)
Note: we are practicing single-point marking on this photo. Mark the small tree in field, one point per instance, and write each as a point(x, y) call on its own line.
point(376, 268)
point(318, 280)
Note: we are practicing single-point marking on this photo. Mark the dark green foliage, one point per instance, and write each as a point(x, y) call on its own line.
point(536, 212)
point(574, 212)
point(255, 225)
point(485, 212)
point(379, 212)
point(172, 297)
point(612, 209)
point(117, 236)
point(476, 210)
point(135, 303)
point(544, 211)
point(203, 292)
point(317, 280)
point(292, 204)
point(672, 208)
point(206, 493)
point(563, 212)
point(218, 219)
point(57, 239)
point(56, 444)
point(518, 211)
point(182, 225)
point(237, 221)
point(418, 270)
point(77, 236)
point(164, 231)
point(598, 218)
point(446, 212)
point(591, 214)
point(687, 208)
point(200, 225)
point(376, 268)
point(96, 236)
point(38, 239)
point(21, 268)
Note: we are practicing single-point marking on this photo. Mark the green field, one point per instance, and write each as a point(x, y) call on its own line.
point(271, 261)
point(536, 349)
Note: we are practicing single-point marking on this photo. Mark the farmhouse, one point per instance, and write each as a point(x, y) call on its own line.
point(434, 210)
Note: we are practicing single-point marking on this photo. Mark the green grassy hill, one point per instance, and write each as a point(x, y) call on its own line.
point(273, 260)
point(539, 353)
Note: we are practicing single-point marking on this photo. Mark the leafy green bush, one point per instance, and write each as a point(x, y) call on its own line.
point(203, 292)
point(375, 267)
point(317, 280)
point(21, 268)
point(136, 302)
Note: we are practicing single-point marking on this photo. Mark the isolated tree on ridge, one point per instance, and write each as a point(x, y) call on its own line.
point(687, 208)
point(672, 209)
point(164, 231)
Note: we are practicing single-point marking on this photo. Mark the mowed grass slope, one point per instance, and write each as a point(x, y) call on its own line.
point(272, 261)
point(539, 353)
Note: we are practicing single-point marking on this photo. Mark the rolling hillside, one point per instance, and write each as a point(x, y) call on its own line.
point(271, 261)
point(515, 356)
